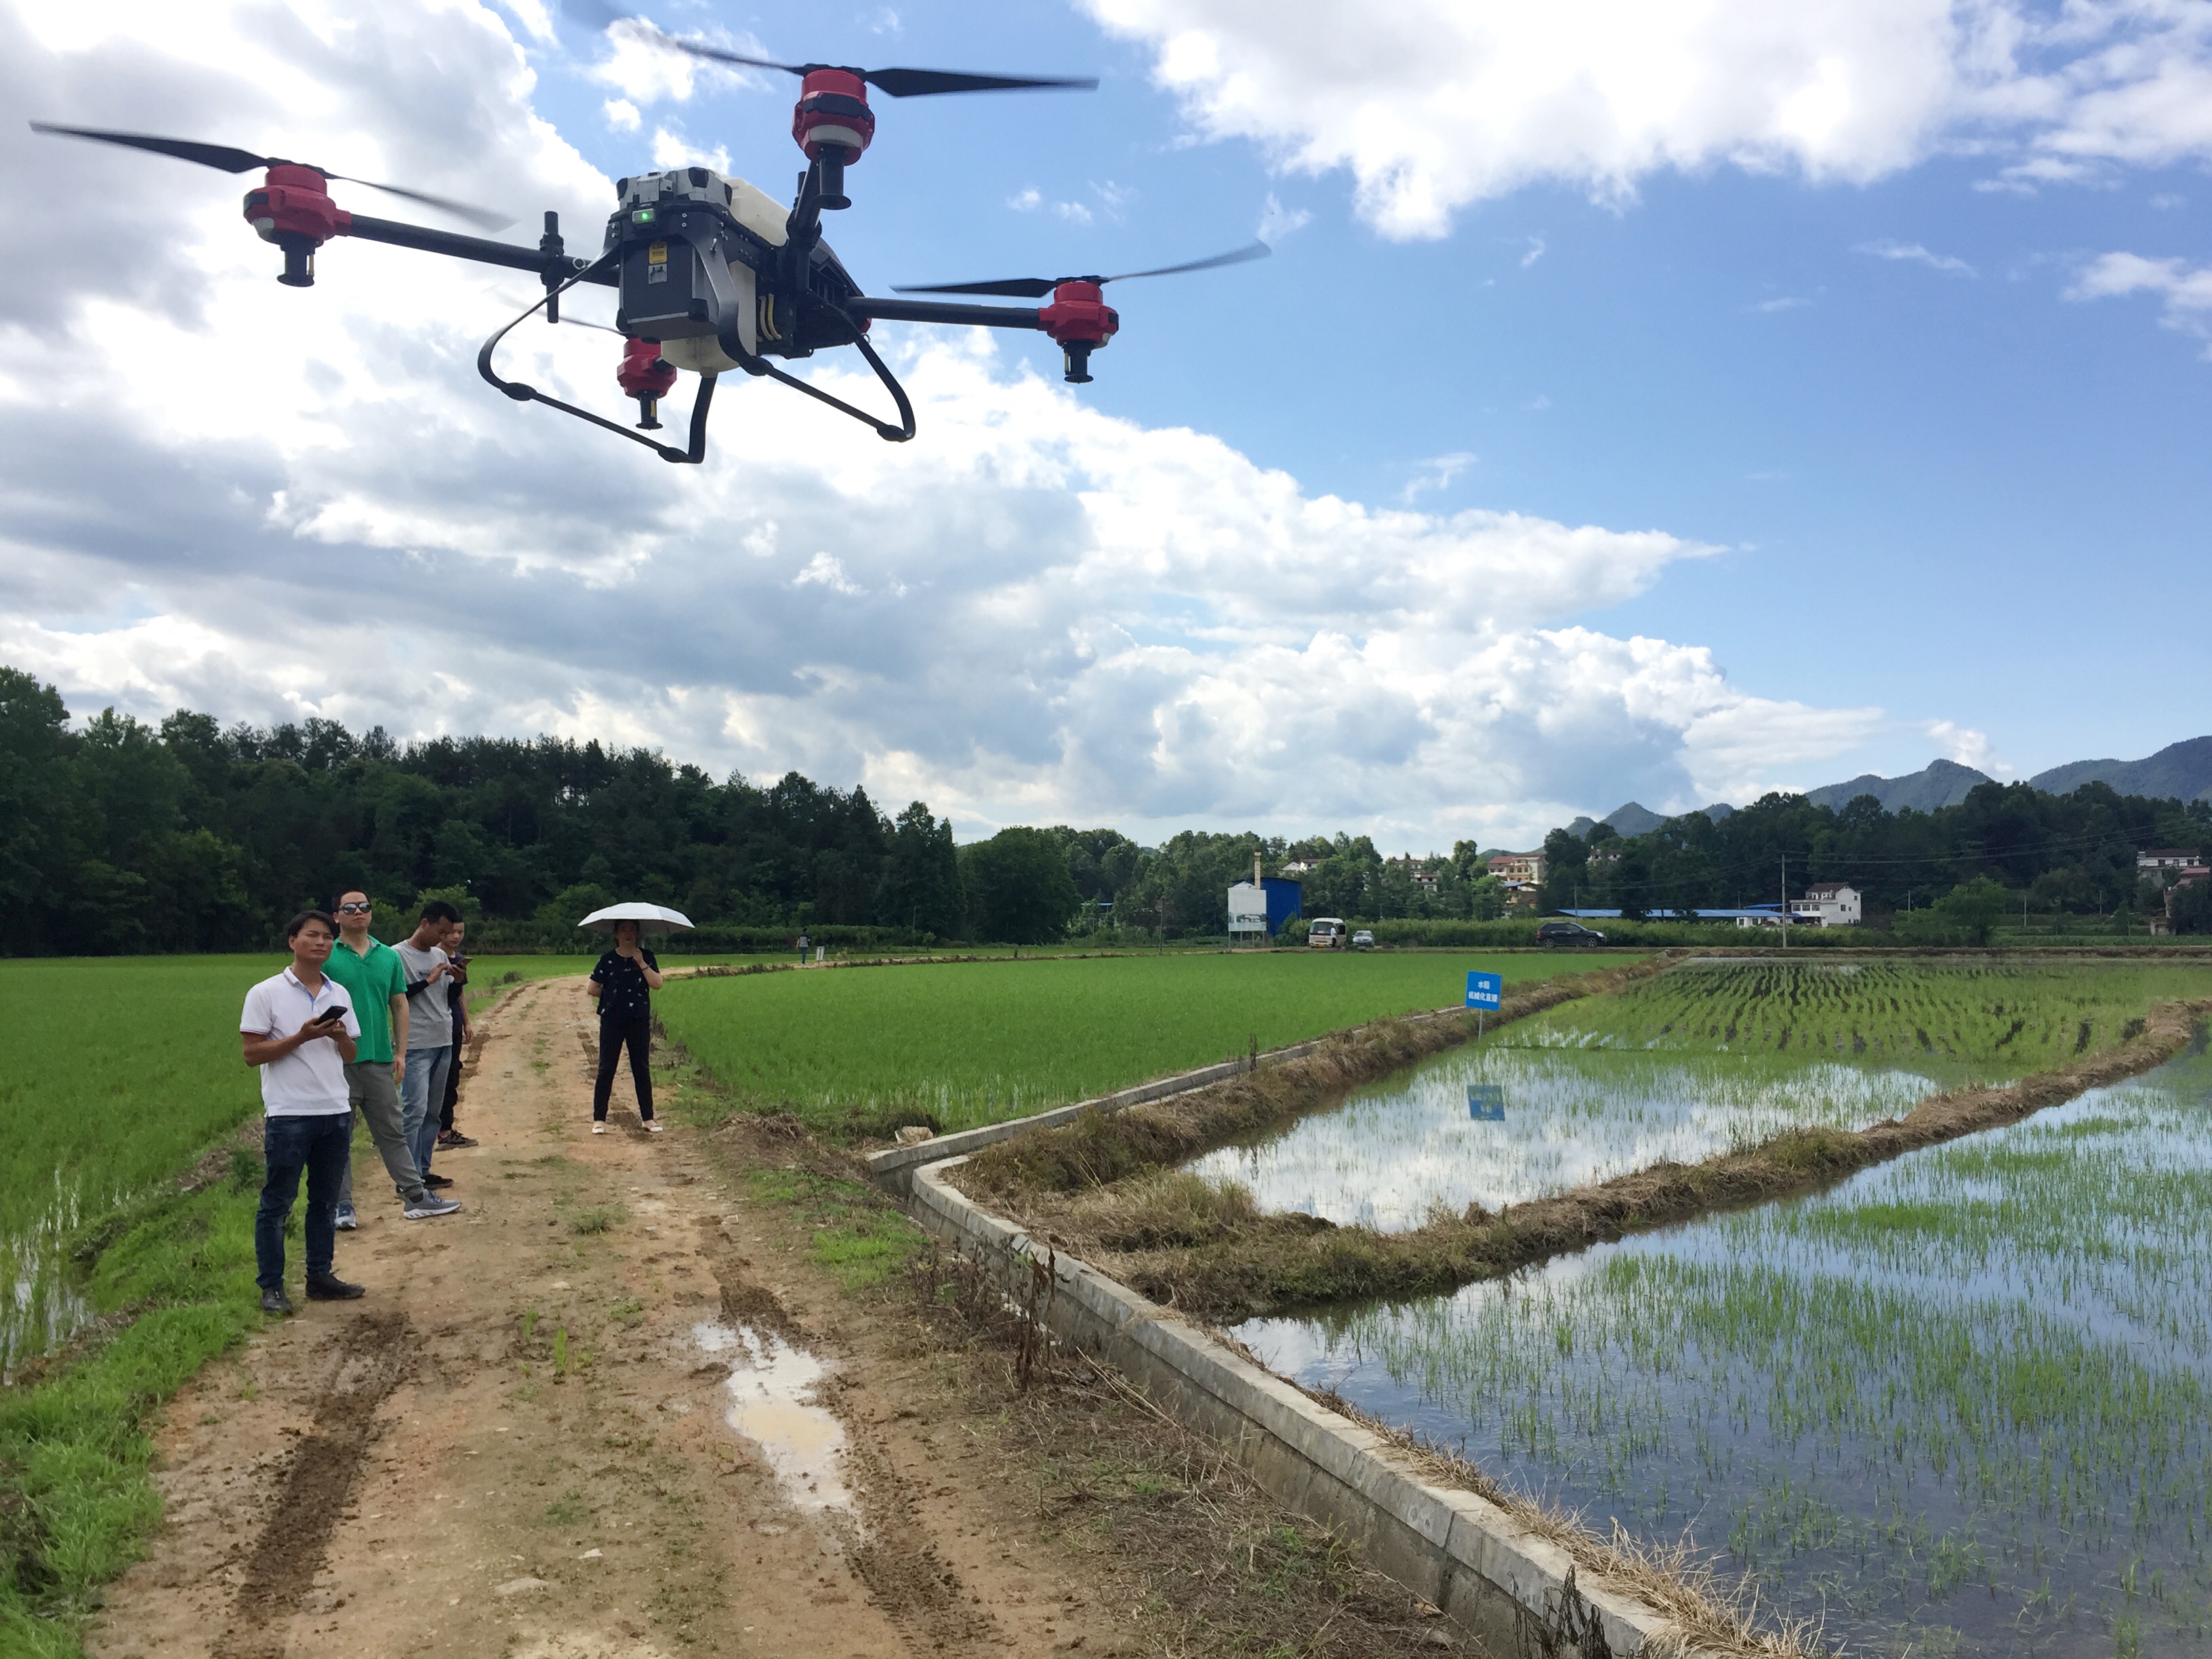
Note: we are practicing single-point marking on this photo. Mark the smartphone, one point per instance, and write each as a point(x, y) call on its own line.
point(335, 1017)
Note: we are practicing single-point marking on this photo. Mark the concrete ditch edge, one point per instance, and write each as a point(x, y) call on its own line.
point(1512, 1589)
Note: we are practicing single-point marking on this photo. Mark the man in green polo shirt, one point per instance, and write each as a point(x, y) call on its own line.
point(376, 980)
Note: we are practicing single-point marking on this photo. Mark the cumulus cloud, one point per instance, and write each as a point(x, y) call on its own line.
point(1432, 104)
point(2186, 290)
point(1036, 611)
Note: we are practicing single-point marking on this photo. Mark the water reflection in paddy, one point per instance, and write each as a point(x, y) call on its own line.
point(1492, 1124)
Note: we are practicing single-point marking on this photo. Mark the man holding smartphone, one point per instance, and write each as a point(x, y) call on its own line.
point(298, 1028)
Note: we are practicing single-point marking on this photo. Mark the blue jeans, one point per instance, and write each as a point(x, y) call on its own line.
point(317, 1144)
point(420, 1093)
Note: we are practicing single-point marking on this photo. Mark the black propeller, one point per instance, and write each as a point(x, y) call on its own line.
point(1036, 288)
point(892, 82)
point(224, 158)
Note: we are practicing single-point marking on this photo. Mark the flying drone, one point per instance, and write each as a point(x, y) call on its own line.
point(713, 274)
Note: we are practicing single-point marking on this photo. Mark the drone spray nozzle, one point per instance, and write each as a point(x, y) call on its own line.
point(645, 376)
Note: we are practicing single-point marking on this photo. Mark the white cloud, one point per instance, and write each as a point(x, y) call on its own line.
point(1436, 473)
point(1968, 747)
point(1432, 104)
point(2165, 201)
point(1036, 611)
point(644, 70)
point(1535, 252)
point(1277, 222)
point(823, 570)
point(1025, 201)
point(1786, 302)
point(671, 148)
point(1914, 253)
point(1074, 212)
point(621, 114)
point(2186, 291)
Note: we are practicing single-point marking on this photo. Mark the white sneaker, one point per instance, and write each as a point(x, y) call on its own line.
point(653, 1126)
point(599, 1128)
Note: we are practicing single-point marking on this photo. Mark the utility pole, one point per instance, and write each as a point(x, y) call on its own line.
point(1786, 901)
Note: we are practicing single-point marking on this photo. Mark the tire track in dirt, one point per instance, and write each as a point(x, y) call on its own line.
point(324, 1469)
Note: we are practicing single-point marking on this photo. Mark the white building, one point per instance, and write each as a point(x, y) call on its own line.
point(1828, 904)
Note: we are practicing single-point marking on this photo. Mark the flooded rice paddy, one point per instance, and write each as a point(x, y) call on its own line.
point(1494, 1125)
point(1959, 1404)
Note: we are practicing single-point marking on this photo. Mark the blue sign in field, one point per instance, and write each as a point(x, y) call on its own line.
point(1485, 1101)
point(1484, 990)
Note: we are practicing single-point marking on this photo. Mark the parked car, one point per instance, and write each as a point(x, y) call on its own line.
point(1363, 940)
point(1568, 933)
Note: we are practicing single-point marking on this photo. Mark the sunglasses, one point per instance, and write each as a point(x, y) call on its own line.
point(353, 909)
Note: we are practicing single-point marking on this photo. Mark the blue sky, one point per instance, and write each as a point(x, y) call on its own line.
point(1881, 425)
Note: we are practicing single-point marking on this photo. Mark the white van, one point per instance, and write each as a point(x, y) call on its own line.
point(1325, 933)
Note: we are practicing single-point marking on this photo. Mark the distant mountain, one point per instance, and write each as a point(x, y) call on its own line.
point(1633, 819)
point(1940, 783)
point(2182, 770)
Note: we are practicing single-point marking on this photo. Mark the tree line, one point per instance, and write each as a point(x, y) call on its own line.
point(2071, 854)
point(119, 835)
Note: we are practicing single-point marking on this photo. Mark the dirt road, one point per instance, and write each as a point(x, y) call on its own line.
point(607, 1410)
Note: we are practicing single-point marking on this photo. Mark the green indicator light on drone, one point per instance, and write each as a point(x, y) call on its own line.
point(642, 216)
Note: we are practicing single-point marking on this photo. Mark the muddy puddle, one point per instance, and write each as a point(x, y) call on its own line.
point(771, 1392)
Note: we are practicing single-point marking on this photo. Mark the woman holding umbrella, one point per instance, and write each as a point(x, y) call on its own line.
point(622, 983)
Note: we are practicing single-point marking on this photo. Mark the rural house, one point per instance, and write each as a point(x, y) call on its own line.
point(2163, 864)
point(1518, 869)
point(1828, 904)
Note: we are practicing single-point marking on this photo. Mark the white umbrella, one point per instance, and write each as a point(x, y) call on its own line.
point(649, 918)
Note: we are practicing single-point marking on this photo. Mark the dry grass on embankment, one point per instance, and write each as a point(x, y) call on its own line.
point(1106, 1189)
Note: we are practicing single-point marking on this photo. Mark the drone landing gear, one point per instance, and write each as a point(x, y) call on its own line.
point(523, 392)
point(734, 348)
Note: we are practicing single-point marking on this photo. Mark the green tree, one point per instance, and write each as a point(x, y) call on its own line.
point(921, 884)
point(1017, 886)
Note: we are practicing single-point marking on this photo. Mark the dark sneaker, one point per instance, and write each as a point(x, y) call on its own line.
point(431, 1207)
point(276, 1302)
point(453, 1138)
point(437, 1181)
point(344, 1221)
point(330, 1288)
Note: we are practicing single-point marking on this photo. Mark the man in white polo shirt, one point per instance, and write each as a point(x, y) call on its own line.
point(299, 1029)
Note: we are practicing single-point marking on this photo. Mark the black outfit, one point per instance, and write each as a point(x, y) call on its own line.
point(453, 1072)
point(625, 1021)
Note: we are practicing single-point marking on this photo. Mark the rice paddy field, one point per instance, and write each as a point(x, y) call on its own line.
point(117, 1072)
point(1959, 1404)
point(959, 1044)
point(1710, 1056)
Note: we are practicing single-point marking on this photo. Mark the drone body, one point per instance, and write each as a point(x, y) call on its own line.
point(712, 275)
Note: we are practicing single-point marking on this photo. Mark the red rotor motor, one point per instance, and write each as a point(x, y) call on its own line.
point(645, 376)
point(1081, 322)
point(293, 209)
point(832, 121)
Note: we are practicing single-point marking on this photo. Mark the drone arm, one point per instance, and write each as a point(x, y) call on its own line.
point(938, 311)
point(480, 249)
